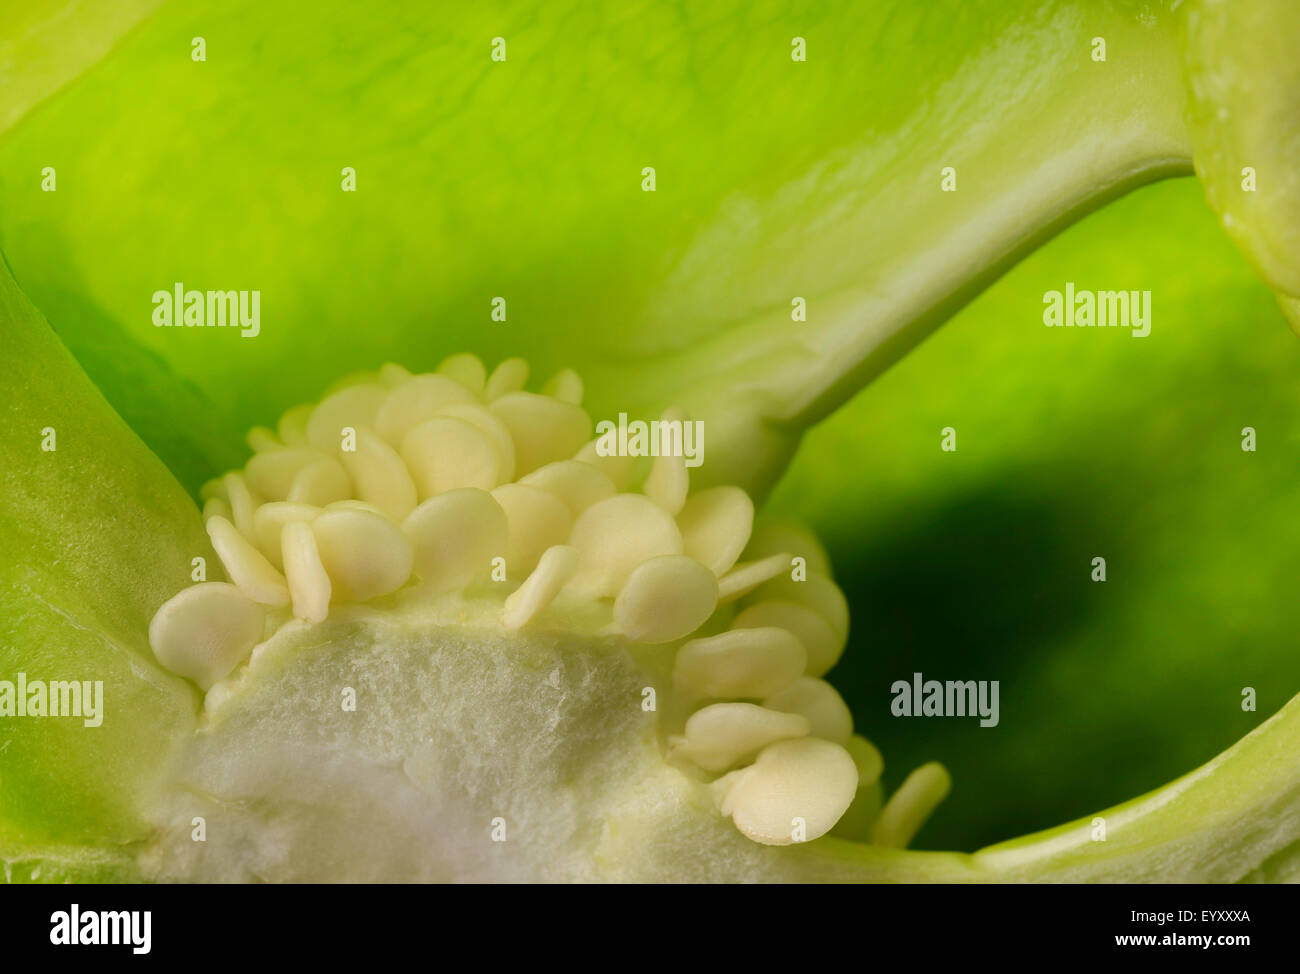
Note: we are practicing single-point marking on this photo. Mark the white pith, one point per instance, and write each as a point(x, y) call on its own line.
point(456, 509)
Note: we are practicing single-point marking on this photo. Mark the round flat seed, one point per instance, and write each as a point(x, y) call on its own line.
point(665, 598)
point(722, 735)
point(351, 504)
point(203, 632)
point(553, 571)
point(537, 520)
point(364, 554)
point(816, 592)
point(466, 369)
point(908, 808)
point(445, 453)
point(292, 427)
point(867, 758)
point(247, 567)
point(565, 385)
point(668, 482)
point(796, 791)
point(417, 400)
point(824, 644)
point(821, 703)
point(483, 420)
point(362, 377)
point(354, 407)
point(392, 375)
point(749, 575)
point(615, 535)
point(544, 429)
point(272, 473)
point(243, 502)
point(715, 525)
point(752, 663)
point(216, 507)
point(578, 485)
point(261, 439)
point(621, 470)
point(309, 585)
point(321, 482)
point(455, 536)
point(378, 475)
point(506, 378)
point(216, 487)
point(268, 525)
point(775, 535)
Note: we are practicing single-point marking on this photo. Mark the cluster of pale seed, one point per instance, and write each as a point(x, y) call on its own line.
point(396, 479)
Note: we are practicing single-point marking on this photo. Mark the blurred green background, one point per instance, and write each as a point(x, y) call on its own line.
point(1073, 443)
